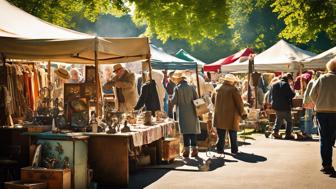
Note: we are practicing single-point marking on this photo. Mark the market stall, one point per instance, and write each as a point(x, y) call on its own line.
point(184, 55)
point(215, 66)
point(44, 42)
point(281, 57)
point(319, 61)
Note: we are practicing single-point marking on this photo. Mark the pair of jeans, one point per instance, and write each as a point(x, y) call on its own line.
point(279, 120)
point(221, 140)
point(327, 131)
point(189, 140)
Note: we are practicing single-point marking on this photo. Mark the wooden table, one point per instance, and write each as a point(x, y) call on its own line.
point(109, 153)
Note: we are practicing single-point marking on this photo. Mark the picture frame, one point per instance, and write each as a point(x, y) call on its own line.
point(89, 91)
point(90, 74)
point(71, 91)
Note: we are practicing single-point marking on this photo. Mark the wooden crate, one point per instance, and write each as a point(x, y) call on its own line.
point(170, 148)
point(55, 178)
point(38, 128)
point(18, 184)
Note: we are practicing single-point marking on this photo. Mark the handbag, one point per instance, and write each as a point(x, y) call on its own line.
point(201, 106)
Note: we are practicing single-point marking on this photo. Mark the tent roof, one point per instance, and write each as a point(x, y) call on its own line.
point(319, 61)
point(161, 60)
point(23, 36)
point(227, 60)
point(18, 22)
point(282, 56)
point(182, 54)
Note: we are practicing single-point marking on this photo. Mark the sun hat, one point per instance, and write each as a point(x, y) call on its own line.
point(230, 77)
point(62, 73)
point(117, 67)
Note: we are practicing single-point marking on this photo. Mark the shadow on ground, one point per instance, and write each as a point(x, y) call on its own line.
point(249, 158)
point(142, 178)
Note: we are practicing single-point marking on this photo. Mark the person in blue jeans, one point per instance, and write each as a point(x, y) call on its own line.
point(323, 94)
point(281, 96)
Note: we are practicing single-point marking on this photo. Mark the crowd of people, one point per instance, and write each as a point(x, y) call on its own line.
point(228, 97)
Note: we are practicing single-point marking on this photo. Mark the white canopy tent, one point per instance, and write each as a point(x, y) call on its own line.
point(26, 37)
point(319, 61)
point(282, 56)
point(23, 36)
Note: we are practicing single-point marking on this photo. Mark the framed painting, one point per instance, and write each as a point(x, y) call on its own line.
point(90, 74)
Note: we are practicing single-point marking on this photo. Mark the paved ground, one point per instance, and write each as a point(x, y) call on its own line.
point(262, 163)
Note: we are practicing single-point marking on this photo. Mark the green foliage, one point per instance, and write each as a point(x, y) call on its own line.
point(305, 19)
point(209, 29)
point(61, 12)
point(193, 21)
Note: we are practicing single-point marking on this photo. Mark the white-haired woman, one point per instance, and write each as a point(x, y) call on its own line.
point(323, 94)
point(75, 76)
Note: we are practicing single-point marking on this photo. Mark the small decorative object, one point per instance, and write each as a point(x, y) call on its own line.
point(131, 117)
point(42, 108)
point(50, 162)
point(37, 156)
point(66, 163)
point(93, 122)
point(159, 115)
point(90, 74)
point(55, 110)
point(126, 128)
point(53, 126)
point(148, 118)
point(61, 122)
point(111, 129)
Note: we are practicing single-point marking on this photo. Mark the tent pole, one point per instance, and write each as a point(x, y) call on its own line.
point(98, 110)
point(49, 82)
point(301, 81)
point(198, 84)
point(149, 62)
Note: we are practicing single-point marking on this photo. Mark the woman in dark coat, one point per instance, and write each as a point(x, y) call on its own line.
point(183, 97)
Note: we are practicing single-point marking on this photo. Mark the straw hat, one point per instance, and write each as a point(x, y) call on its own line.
point(117, 67)
point(62, 73)
point(230, 77)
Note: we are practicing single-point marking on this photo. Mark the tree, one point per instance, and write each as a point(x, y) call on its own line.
point(201, 20)
point(62, 12)
point(305, 19)
point(193, 21)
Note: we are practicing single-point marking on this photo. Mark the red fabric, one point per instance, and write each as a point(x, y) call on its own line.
point(227, 60)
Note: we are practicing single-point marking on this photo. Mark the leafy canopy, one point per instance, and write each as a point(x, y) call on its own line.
point(199, 20)
point(304, 19)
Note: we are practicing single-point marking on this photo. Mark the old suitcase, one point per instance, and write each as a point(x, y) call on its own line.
point(55, 178)
point(18, 184)
point(170, 148)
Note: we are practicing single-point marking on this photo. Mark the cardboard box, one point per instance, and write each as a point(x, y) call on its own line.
point(55, 178)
